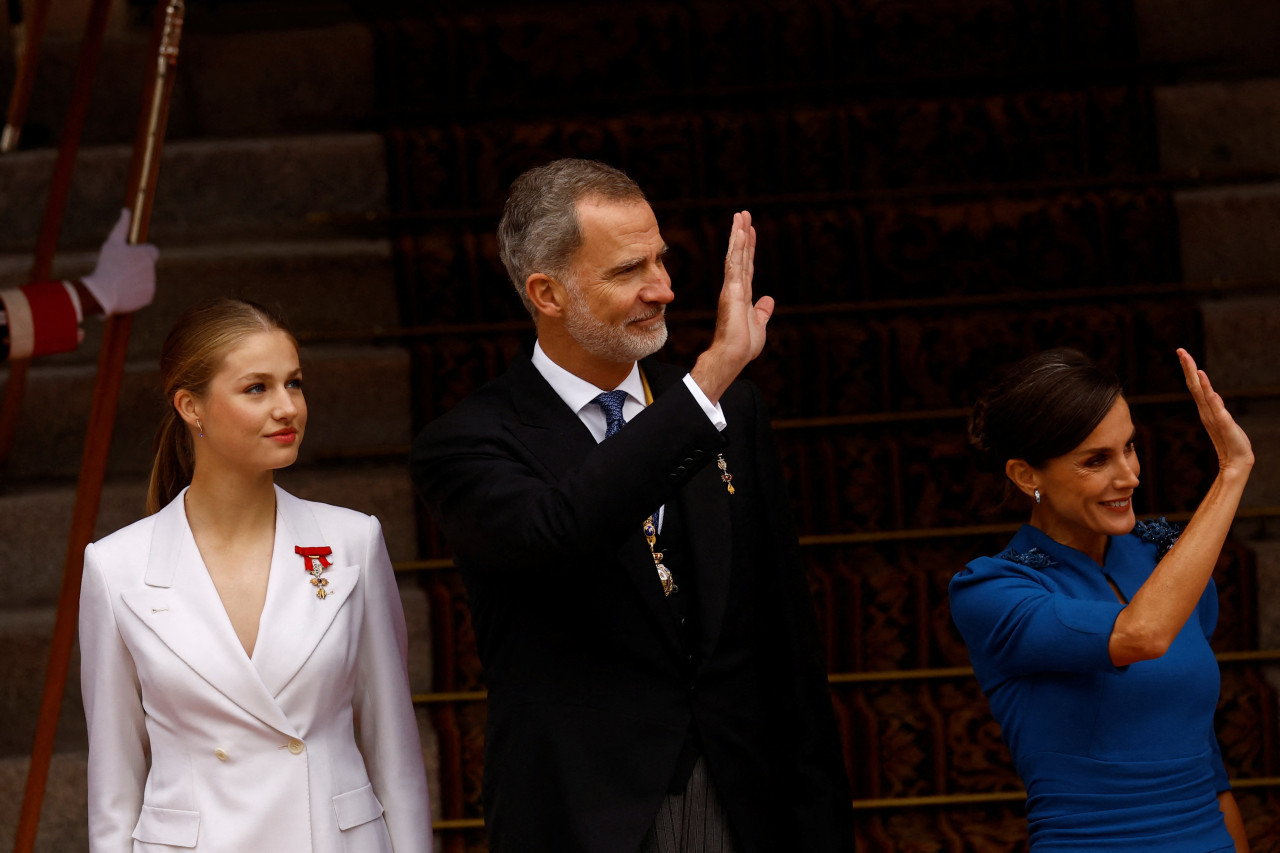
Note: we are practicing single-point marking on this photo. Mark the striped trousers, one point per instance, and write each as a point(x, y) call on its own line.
point(691, 822)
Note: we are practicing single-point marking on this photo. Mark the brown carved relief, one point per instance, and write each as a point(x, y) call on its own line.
point(863, 470)
point(914, 38)
point(1246, 723)
point(906, 739)
point(839, 481)
point(471, 721)
point(847, 368)
point(939, 484)
point(444, 720)
point(595, 54)
point(978, 760)
point(736, 153)
point(987, 829)
point(498, 151)
point(817, 153)
point(1237, 599)
point(1127, 146)
point(940, 560)
point(919, 251)
point(454, 366)
point(1006, 138)
point(846, 650)
point(504, 58)
point(1182, 466)
point(1141, 232)
point(441, 277)
point(890, 640)
point(429, 172)
point(1160, 327)
point(457, 662)
point(905, 830)
point(820, 250)
point(1261, 812)
point(782, 375)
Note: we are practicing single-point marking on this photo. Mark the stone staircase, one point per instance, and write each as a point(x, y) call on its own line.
point(273, 188)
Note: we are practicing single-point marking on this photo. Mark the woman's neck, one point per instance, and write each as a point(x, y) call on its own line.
point(224, 506)
point(1088, 542)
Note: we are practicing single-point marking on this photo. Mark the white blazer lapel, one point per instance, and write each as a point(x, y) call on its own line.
point(181, 606)
point(294, 619)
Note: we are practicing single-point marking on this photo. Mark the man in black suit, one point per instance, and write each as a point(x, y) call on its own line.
point(655, 679)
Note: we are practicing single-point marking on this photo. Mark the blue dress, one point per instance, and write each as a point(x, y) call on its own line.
point(1113, 758)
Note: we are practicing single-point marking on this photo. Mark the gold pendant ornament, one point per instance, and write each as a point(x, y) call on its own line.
point(664, 574)
point(724, 472)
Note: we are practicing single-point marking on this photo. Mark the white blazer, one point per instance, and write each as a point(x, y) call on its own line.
point(310, 746)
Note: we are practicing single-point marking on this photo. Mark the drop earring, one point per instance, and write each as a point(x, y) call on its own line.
point(200, 427)
point(1037, 494)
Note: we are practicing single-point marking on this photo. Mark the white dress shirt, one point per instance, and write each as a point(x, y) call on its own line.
point(579, 395)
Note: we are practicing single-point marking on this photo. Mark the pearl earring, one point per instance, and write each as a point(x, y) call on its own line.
point(1037, 496)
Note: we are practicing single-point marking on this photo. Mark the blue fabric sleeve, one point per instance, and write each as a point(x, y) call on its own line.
point(1014, 624)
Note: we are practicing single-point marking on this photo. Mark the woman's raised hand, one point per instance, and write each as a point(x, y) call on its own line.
point(1235, 453)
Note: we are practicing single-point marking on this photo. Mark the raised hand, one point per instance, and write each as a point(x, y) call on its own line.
point(1234, 449)
point(740, 323)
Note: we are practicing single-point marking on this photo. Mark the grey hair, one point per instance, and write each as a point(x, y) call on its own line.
point(539, 230)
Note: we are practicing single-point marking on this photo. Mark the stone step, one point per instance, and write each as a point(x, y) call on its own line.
point(1211, 37)
point(1219, 126)
point(26, 635)
point(320, 288)
point(63, 825)
point(1240, 336)
point(209, 192)
point(358, 400)
point(227, 84)
point(1230, 232)
point(34, 520)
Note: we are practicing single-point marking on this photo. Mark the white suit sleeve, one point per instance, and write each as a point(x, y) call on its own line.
point(386, 725)
point(119, 751)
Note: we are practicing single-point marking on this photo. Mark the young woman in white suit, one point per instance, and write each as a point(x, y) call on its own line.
point(244, 651)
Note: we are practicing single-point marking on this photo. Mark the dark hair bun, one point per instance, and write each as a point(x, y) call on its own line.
point(1042, 407)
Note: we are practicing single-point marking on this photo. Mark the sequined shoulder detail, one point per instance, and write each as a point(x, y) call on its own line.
point(1033, 559)
point(1160, 533)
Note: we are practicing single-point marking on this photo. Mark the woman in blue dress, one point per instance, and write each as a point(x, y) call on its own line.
point(1089, 633)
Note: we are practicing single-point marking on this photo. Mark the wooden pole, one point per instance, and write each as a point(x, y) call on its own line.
point(106, 393)
point(27, 38)
point(59, 185)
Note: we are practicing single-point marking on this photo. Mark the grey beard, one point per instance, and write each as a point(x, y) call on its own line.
point(615, 343)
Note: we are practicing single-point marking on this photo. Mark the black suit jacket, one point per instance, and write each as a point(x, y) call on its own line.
point(591, 691)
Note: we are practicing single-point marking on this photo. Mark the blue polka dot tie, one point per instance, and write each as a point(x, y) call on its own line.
point(610, 402)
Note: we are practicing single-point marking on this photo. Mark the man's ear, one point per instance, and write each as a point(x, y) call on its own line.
point(546, 294)
point(1026, 478)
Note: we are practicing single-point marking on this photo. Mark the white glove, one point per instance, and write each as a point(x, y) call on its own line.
point(124, 279)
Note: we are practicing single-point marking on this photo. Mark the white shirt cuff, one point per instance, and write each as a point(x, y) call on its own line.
point(714, 413)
